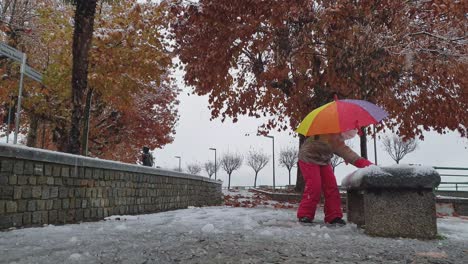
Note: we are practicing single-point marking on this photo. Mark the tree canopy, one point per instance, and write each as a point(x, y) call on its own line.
point(133, 102)
point(285, 58)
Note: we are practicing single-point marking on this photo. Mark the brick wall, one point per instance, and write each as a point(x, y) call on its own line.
point(43, 187)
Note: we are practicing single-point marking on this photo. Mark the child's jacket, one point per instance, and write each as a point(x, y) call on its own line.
point(321, 150)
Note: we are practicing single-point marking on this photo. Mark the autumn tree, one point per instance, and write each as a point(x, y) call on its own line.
point(129, 84)
point(194, 168)
point(398, 147)
point(210, 168)
point(257, 160)
point(283, 59)
point(16, 30)
point(288, 159)
point(231, 162)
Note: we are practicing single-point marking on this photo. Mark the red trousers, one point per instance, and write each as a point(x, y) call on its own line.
point(319, 178)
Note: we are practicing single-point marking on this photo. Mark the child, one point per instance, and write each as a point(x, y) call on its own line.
point(314, 161)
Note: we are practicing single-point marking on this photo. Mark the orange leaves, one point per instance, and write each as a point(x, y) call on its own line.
point(254, 199)
point(286, 59)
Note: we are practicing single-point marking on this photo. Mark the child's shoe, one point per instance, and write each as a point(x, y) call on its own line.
point(338, 221)
point(305, 219)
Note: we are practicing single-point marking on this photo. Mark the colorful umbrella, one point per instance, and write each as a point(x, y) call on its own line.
point(339, 116)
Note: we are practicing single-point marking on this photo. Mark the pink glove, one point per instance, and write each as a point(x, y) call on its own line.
point(362, 163)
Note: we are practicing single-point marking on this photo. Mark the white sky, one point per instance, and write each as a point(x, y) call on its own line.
point(195, 134)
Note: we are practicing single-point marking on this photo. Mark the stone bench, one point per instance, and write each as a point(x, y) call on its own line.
point(395, 201)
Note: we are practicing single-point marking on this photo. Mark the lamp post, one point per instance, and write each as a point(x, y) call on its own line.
point(178, 157)
point(273, 138)
point(216, 165)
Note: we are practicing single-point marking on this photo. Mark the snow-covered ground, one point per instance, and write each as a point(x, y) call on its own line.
point(224, 234)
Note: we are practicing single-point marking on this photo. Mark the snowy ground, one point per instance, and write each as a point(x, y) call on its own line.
point(222, 234)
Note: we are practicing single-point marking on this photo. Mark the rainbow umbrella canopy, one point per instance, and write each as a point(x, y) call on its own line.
point(339, 116)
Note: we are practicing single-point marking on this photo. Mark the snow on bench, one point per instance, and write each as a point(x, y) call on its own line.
point(396, 201)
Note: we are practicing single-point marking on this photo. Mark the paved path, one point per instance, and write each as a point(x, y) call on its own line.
point(224, 235)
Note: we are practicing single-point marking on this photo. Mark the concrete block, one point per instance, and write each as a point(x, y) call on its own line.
point(58, 181)
point(42, 180)
point(40, 205)
point(28, 168)
point(38, 169)
point(3, 180)
point(32, 180)
point(48, 169)
point(65, 203)
point(36, 218)
point(22, 180)
point(13, 179)
point(6, 192)
point(56, 171)
point(27, 219)
point(45, 193)
point(6, 165)
point(57, 204)
point(63, 192)
point(31, 206)
point(401, 213)
point(17, 193)
point(65, 171)
point(53, 215)
point(36, 192)
point(18, 167)
point(54, 191)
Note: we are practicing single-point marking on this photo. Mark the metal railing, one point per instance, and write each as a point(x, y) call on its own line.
point(450, 181)
point(259, 187)
point(453, 182)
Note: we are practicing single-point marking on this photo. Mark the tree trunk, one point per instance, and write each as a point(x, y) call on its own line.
point(363, 140)
point(289, 176)
point(300, 180)
point(31, 139)
point(82, 36)
point(43, 133)
point(229, 182)
point(255, 182)
point(87, 112)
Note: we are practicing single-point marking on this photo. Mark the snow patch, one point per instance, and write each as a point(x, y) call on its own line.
point(121, 227)
point(74, 256)
point(208, 228)
point(354, 179)
point(266, 232)
point(121, 218)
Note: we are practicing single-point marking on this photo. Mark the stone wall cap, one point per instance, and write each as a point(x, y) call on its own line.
point(396, 176)
point(34, 154)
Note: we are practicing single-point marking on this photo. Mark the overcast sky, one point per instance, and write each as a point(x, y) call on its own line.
point(195, 134)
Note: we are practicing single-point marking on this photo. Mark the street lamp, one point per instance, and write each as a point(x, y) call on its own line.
point(216, 165)
point(273, 138)
point(178, 157)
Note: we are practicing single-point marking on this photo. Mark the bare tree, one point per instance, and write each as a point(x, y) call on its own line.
point(288, 159)
point(229, 163)
point(194, 168)
point(257, 161)
point(397, 148)
point(210, 168)
point(335, 161)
